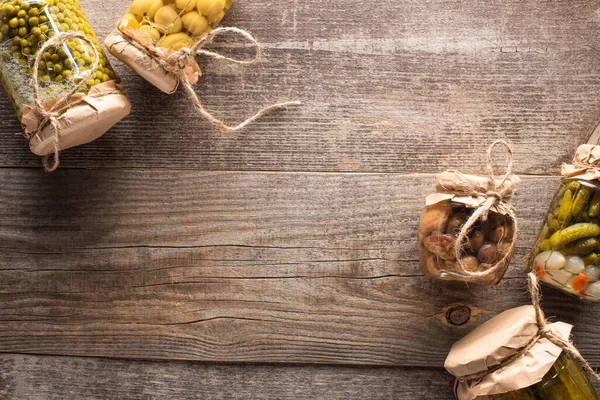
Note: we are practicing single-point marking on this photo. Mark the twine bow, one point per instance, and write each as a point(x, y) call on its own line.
point(497, 196)
point(545, 331)
point(51, 113)
point(178, 61)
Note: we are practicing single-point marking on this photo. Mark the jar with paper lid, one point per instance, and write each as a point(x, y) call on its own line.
point(566, 252)
point(152, 30)
point(77, 63)
point(507, 358)
point(467, 230)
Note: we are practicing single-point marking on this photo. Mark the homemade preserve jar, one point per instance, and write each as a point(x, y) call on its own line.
point(151, 30)
point(25, 25)
point(506, 358)
point(566, 252)
point(487, 245)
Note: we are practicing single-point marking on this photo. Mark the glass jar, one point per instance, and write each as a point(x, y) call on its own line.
point(24, 27)
point(162, 27)
point(566, 252)
point(487, 243)
point(506, 358)
point(566, 380)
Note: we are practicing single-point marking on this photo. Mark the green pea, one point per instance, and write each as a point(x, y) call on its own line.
point(22, 14)
point(33, 12)
point(24, 5)
point(26, 51)
point(34, 21)
point(58, 67)
point(13, 23)
point(24, 43)
point(43, 19)
point(4, 29)
point(22, 22)
point(54, 57)
point(58, 78)
point(66, 74)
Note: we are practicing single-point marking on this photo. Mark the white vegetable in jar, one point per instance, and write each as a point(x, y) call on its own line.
point(574, 265)
point(550, 260)
point(592, 272)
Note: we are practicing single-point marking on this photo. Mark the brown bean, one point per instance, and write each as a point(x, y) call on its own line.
point(498, 233)
point(455, 223)
point(488, 253)
point(441, 245)
point(470, 263)
point(475, 242)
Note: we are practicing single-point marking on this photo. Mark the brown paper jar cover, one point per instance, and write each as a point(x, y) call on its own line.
point(155, 29)
point(104, 103)
point(497, 340)
point(445, 213)
point(566, 254)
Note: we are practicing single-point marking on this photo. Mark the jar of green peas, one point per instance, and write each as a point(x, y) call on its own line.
point(25, 25)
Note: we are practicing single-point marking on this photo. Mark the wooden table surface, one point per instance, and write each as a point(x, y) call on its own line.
point(167, 260)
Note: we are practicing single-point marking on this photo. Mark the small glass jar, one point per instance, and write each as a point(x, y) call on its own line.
point(566, 252)
point(163, 27)
point(566, 380)
point(487, 243)
point(24, 27)
point(506, 358)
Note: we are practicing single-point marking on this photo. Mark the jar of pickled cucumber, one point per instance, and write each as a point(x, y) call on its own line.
point(151, 30)
point(567, 251)
point(25, 25)
point(506, 358)
point(487, 244)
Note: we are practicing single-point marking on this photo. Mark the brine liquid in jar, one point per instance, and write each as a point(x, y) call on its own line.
point(24, 26)
point(567, 250)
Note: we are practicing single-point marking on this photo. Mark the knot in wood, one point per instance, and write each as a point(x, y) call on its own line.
point(458, 315)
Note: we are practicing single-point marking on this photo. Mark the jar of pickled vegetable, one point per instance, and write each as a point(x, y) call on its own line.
point(151, 30)
point(566, 252)
point(467, 230)
point(507, 358)
point(25, 26)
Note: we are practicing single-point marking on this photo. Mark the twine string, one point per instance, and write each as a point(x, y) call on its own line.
point(177, 62)
point(496, 196)
point(51, 114)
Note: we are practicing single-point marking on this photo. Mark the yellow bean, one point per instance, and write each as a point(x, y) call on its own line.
point(139, 7)
point(185, 5)
point(194, 23)
point(130, 21)
point(176, 41)
point(155, 7)
point(150, 32)
point(215, 19)
point(209, 8)
point(168, 20)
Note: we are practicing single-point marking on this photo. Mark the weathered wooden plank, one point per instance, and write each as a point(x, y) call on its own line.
point(47, 378)
point(403, 86)
point(252, 267)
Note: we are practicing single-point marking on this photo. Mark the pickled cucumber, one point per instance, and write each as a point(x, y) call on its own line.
point(572, 233)
point(580, 248)
point(24, 26)
point(189, 19)
point(580, 203)
point(563, 212)
point(594, 209)
point(590, 259)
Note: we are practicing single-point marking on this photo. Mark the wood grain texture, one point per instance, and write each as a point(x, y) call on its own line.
point(400, 86)
point(100, 379)
point(240, 267)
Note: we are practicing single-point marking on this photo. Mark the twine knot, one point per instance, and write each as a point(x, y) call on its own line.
point(51, 113)
point(497, 196)
point(178, 62)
